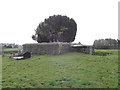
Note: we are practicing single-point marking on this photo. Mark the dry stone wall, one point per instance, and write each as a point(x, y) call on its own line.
point(55, 48)
point(47, 48)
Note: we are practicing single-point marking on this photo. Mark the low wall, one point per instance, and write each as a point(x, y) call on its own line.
point(56, 48)
point(47, 48)
point(84, 49)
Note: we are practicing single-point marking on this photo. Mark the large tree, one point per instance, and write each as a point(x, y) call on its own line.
point(56, 28)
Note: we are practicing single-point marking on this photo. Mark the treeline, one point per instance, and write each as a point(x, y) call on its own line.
point(106, 44)
point(9, 45)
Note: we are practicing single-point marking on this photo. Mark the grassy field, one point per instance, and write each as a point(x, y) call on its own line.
point(70, 70)
point(0, 72)
point(10, 49)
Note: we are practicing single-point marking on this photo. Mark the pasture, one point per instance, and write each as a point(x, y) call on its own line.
point(69, 70)
point(10, 49)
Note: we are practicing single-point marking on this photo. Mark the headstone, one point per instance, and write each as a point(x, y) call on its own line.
point(20, 49)
point(21, 56)
point(91, 50)
point(26, 55)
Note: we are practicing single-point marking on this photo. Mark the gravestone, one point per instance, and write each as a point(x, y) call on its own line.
point(26, 55)
point(21, 56)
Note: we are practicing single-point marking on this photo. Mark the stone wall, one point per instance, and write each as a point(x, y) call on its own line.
point(56, 48)
point(84, 49)
point(47, 48)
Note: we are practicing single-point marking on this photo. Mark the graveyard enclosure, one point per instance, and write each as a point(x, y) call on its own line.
point(47, 48)
point(56, 48)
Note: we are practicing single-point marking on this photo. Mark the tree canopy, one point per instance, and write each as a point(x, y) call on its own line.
point(56, 28)
point(107, 43)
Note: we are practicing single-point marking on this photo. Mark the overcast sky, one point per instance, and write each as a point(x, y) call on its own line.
point(95, 19)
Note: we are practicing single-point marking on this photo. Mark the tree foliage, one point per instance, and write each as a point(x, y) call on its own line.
point(106, 44)
point(56, 28)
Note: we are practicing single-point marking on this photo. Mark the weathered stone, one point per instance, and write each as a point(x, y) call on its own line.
point(26, 55)
point(47, 48)
point(56, 48)
point(21, 56)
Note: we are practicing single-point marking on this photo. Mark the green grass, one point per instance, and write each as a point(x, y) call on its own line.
point(10, 49)
point(0, 72)
point(70, 70)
